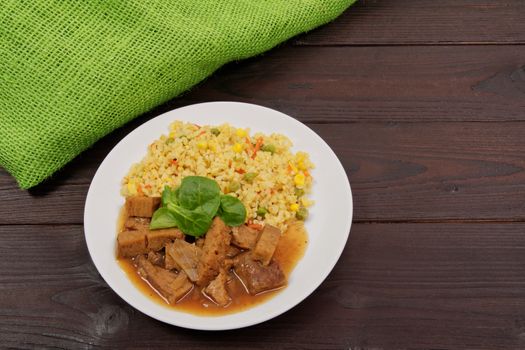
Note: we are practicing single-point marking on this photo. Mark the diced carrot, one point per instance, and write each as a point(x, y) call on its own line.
point(249, 143)
point(257, 227)
point(306, 173)
point(258, 146)
point(230, 163)
point(240, 171)
point(148, 186)
point(174, 161)
point(200, 134)
point(289, 168)
point(139, 189)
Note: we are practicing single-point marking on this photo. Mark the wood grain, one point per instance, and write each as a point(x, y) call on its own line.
point(396, 286)
point(424, 104)
point(424, 22)
point(398, 172)
point(357, 84)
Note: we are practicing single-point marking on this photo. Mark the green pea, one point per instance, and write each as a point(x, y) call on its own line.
point(261, 211)
point(249, 177)
point(215, 131)
point(268, 148)
point(299, 192)
point(234, 186)
point(301, 214)
point(169, 140)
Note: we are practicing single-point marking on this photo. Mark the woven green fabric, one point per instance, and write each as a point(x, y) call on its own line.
point(71, 71)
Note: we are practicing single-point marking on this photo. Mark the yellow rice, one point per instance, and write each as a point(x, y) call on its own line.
point(189, 149)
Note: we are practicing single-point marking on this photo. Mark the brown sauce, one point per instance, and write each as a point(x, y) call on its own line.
point(290, 250)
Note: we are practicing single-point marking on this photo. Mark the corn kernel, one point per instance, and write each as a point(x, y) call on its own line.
point(298, 179)
point(212, 146)
point(132, 188)
point(294, 207)
point(202, 145)
point(301, 165)
point(241, 132)
point(237, 148)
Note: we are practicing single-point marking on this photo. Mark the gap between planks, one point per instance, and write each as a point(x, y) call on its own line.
point(443, 43)
point(355, 222)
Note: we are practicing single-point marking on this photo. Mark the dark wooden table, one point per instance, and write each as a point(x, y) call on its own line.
point(424, 103)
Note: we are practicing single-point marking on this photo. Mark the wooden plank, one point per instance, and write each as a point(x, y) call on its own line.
point(413, 286)
point(398, 172)
point(342, 84)
point(424, 22)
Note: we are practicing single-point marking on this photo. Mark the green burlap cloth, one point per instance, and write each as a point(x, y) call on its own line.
point(71, 71)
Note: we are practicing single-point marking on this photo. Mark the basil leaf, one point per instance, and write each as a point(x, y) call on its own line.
point(168, 196)
point(191, 222)
point(162, 218)
point(198, 191)
point(232, 211)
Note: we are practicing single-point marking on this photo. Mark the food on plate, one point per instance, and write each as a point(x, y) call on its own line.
point(213, 217)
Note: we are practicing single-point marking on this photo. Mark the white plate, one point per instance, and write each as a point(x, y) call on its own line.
point(328, 225)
